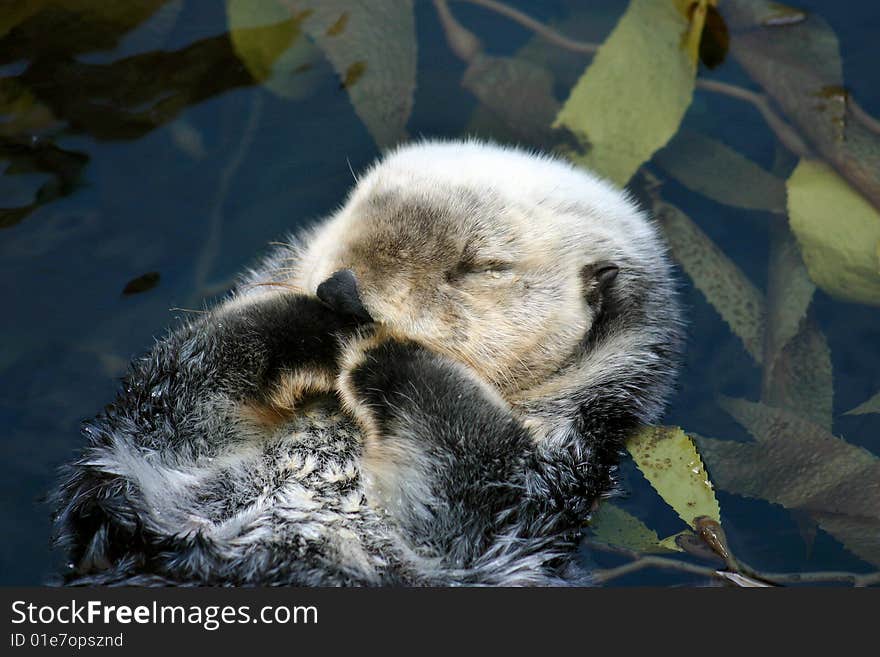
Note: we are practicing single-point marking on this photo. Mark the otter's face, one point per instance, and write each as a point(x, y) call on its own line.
point(505, 289)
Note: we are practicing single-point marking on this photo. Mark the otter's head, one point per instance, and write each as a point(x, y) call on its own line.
point(508, 287)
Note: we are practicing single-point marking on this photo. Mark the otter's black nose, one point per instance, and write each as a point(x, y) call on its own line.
point(340, 293)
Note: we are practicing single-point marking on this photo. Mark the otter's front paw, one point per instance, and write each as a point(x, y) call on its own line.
point(376, 370)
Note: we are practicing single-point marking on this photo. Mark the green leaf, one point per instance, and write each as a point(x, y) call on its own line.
point(795, 57)
point(670, 462)
point(372, 47)
point(870, 406)
point(837, 230)
point(613, 526)
point(671, 542)
point(633, 96)
point(708, 167)
point(269, 41)
point(735, 298)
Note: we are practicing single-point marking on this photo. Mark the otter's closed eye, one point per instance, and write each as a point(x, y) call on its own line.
point(492, 268)
point(488, 267)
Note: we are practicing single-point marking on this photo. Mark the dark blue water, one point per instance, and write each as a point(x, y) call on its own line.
point(196, 195)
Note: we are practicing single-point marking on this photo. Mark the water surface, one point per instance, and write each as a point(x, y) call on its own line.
point(140, 154)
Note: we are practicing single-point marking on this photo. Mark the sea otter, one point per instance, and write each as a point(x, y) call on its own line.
point(430, 387)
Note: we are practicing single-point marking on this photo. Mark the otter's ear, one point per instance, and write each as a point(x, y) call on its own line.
point(596, 279)
point(599, 275)
point(605, 273)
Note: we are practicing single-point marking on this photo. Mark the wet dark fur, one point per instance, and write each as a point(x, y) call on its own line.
point(180, 485)
point(503, 509)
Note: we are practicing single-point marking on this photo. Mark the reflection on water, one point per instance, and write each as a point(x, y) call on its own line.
point(149, 150)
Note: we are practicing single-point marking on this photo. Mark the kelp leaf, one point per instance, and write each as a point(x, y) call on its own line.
point(519, 96)
point(801, 378)
point(837, 230)
point(372, 47)
point(801, 466)
point(796, 59)
point(723, 284)
point(613, 526)
point(671, 542)
point(708, 167)
point(270, 43)
point(870, 406)
point(670, 462)
point(633, 96)
point(795, 463)
point(790, 292)
point(76, 26)
point(797, 372)
point(861, 536)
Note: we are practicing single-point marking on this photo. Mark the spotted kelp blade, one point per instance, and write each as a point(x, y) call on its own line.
point(720, 280)
point(670, 462)
point(611, 525)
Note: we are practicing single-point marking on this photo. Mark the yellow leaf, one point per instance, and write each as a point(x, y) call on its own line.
point(670, 462)
point(633, 96)
point(671, 542)
point(691, 40)
point(613, 526)
point(268, 40)
point(837, 230)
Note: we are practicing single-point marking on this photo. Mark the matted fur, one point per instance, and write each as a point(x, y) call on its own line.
point(460, 438)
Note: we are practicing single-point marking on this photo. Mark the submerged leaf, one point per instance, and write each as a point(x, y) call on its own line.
point(613, 526)
point(790, 292)
point(800, 465)
point(76, 26)
point(670, 462)
point(859, 535)
point(269, 41)
point(633, 96)
point(519, 94)
point(796, 58)
point(710, 168)
point(800, 378)
point(837, 230)
point(797, 361)
point(870, 406)
point(735, 298)
point(372, 47)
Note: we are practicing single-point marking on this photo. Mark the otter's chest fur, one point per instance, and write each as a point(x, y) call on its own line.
point(243, 510)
